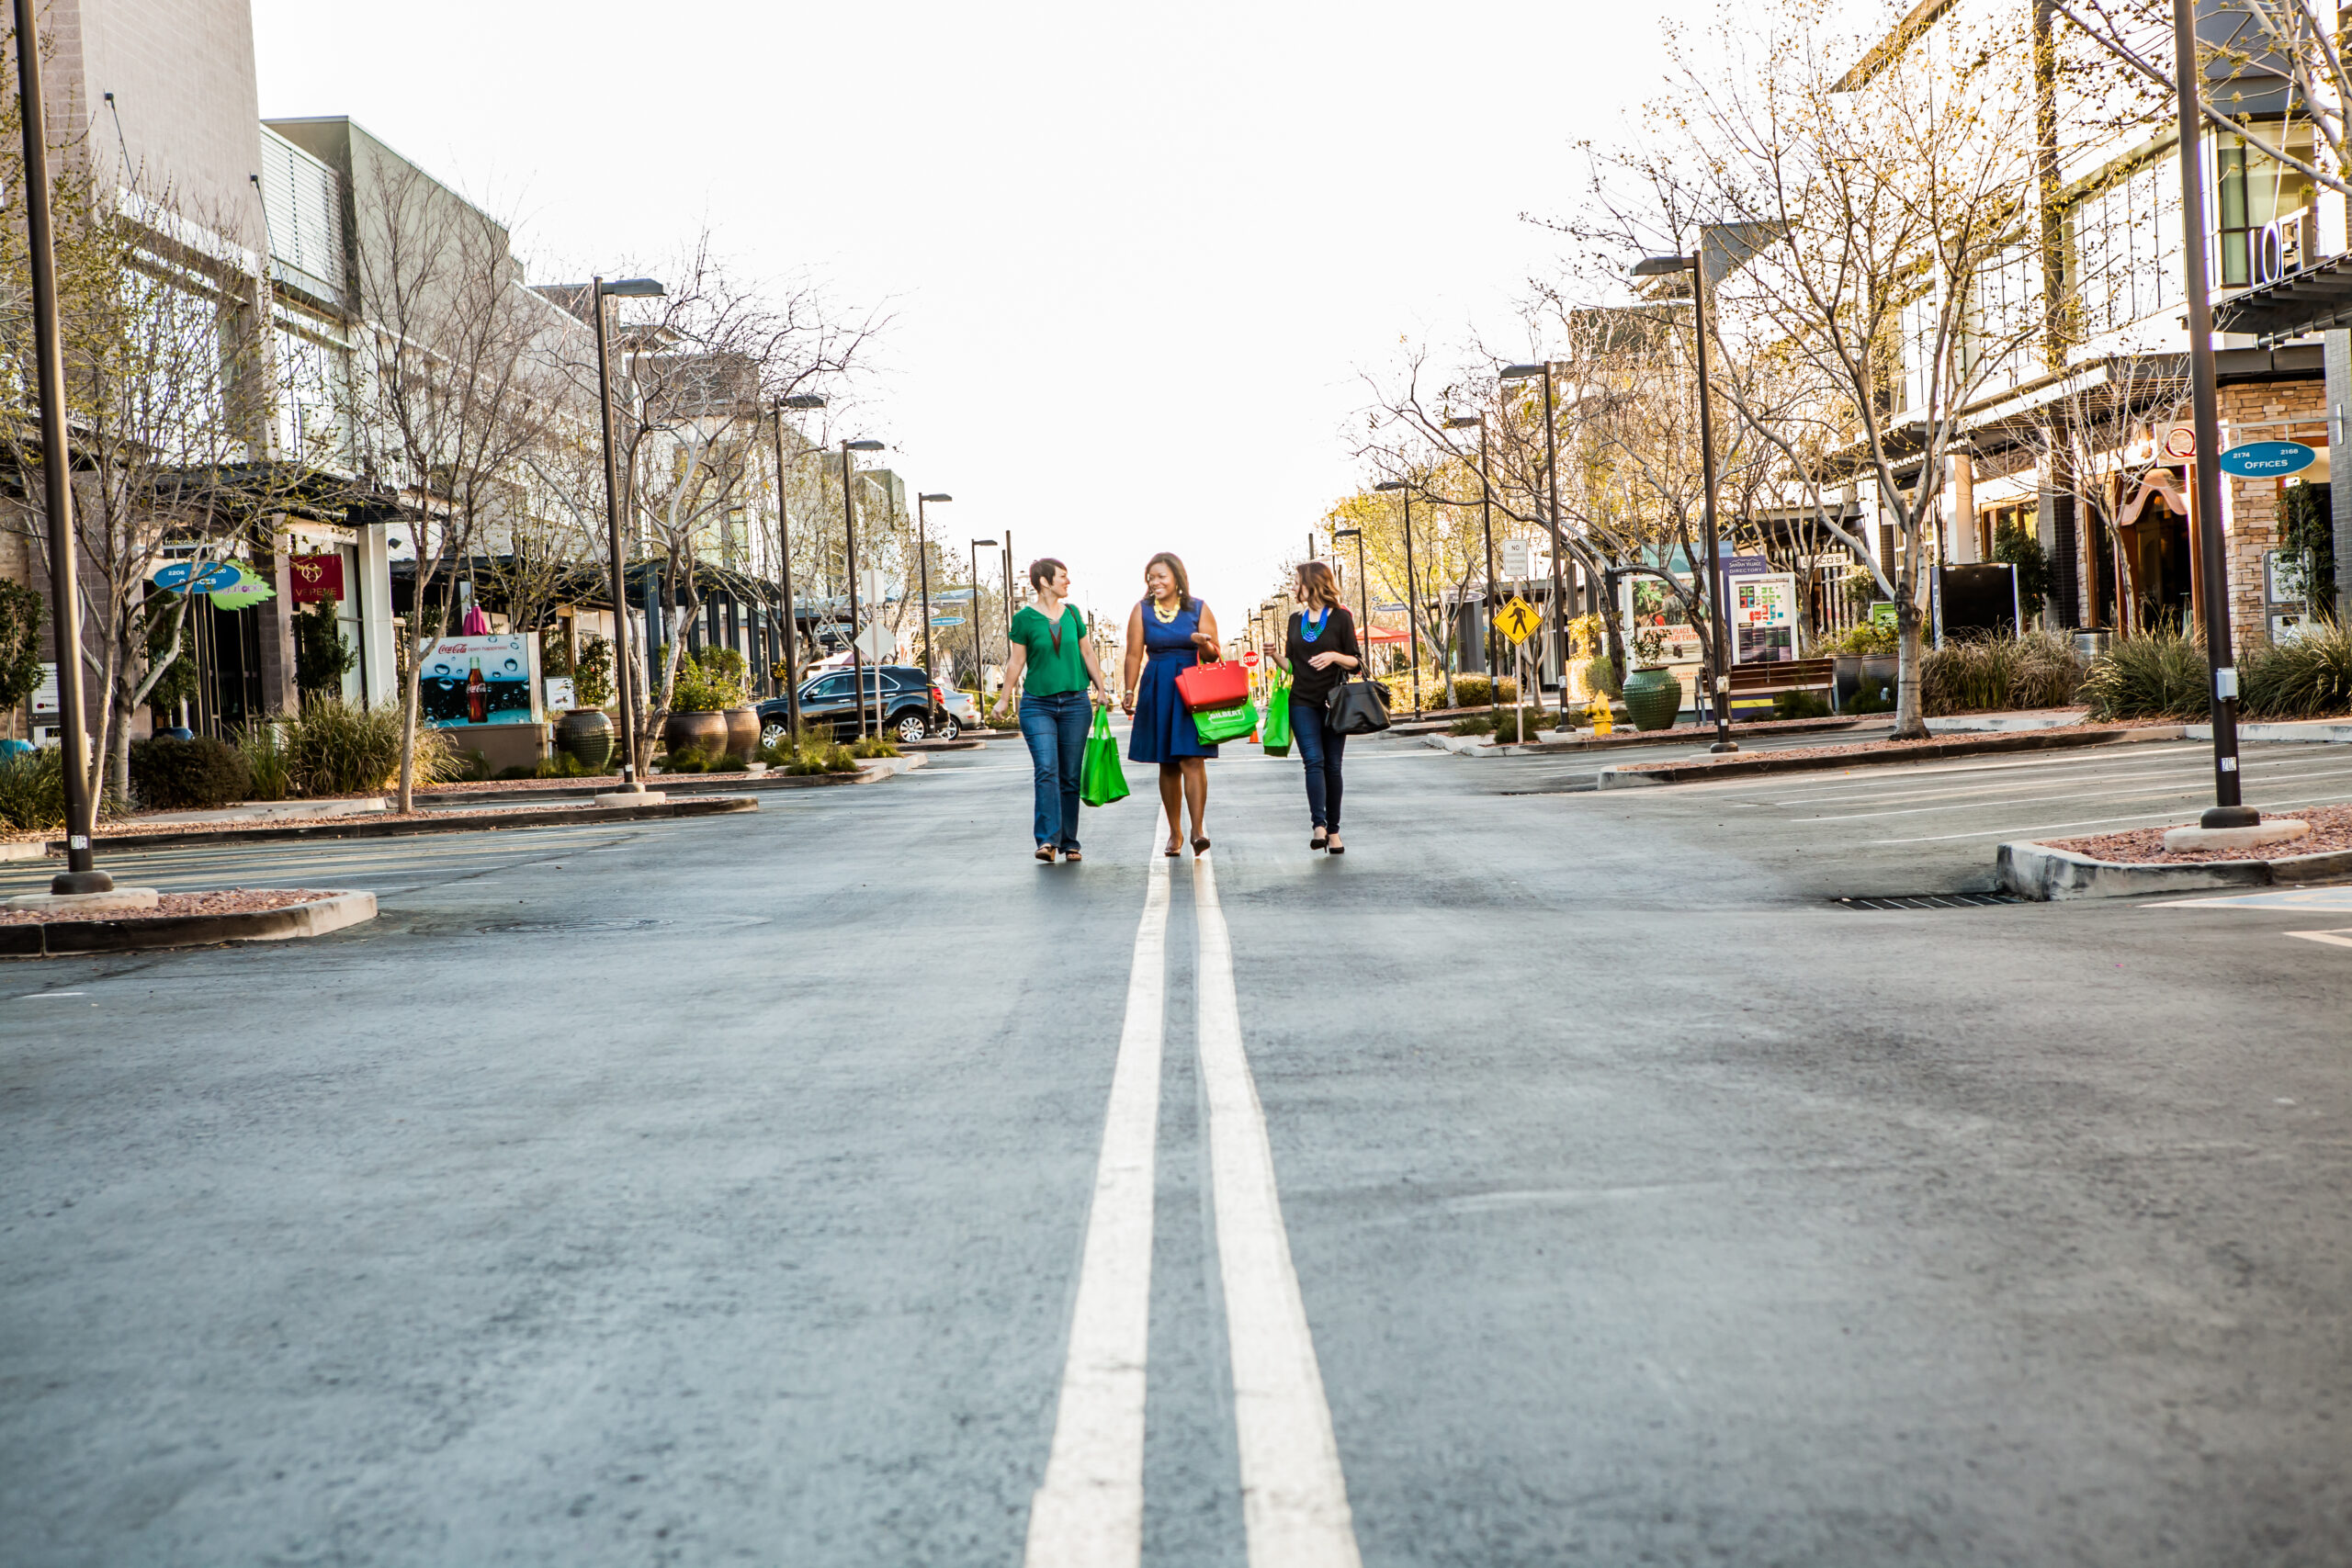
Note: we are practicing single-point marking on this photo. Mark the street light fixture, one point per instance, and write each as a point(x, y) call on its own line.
point(784, 553)
point(81, 874)
point(1412, 622)
point(2229, 809)
point(632, 775)
point(849, 535)
point(979, 682)
point(1486, 525)
point(922, 556)
point(1363, 591)
point(1661, 267)
point(1552, 514)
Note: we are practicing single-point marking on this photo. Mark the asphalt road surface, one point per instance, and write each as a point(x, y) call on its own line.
point(1560, 1178)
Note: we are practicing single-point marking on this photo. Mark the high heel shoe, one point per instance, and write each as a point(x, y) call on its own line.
point(1318, 841)
point(1333, 846)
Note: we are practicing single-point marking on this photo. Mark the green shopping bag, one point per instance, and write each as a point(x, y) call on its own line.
point(1101, 780)
point(1226, 724)
point(1275, 735)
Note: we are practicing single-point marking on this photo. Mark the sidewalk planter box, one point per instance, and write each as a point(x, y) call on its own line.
point(1652, 698)
point(743, 733)
point(704, 732)
point(587, 736)
point(502, 745)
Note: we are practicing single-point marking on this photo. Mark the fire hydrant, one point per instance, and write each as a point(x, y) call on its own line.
point(1598, 711)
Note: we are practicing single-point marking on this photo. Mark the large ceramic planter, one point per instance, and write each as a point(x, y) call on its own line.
point(1652, 697)
point(1856, 673)
point(704, 732)
point(743, 733)
point(587, 736)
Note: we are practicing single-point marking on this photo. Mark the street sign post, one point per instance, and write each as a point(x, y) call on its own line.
point(877, 643)
point(1518, 620)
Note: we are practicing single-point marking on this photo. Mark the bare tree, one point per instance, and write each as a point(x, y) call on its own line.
point(455, 384)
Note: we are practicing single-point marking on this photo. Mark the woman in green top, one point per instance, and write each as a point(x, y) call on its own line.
point(1049, 643)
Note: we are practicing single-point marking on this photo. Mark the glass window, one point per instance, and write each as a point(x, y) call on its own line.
point(831, 686)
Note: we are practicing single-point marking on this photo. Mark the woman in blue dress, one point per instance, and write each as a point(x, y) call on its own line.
point(1167, 634)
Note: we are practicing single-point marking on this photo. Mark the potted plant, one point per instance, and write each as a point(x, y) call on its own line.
point(1866, 667)
point(707, 707)
point(1653, 692)
point(586, 730)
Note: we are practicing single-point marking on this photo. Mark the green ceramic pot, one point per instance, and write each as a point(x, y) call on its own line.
point(1652, 697)
point(587, 734)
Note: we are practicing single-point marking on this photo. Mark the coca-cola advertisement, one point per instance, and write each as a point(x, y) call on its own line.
point(479, 679)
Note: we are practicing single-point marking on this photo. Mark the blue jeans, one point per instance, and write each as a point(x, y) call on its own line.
point(1319, 747)
point(1056, 729)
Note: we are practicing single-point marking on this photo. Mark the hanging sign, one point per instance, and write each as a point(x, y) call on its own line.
point(2267, 459)
point(199, 576)
point(316, 578)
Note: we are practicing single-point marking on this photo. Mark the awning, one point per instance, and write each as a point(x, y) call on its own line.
point(2309, 299)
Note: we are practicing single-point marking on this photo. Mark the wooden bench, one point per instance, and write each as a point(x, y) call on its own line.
point(1750, 682)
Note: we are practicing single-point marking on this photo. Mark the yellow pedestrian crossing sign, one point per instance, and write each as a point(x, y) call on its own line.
point(1518, 619)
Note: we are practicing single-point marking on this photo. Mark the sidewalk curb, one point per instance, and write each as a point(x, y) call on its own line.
point(1634, 774)
point(455, 822)
point(873, 770)
point(1624, 739)
point(2049, 875)
point(61, 939)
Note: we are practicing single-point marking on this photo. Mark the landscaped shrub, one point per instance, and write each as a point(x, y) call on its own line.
point(1601, 675)
point(1470, 724)
point(1977, 674)
point(2309, 677)
point(2159, 674)
point(198, 774)
point(696, 760)
point(32, 788)
point(1799, 705)
point(269, 765)
point(873, 746)
point(339, 748)
point(1506, 726)
point(1478, 691)
point(1861, 638)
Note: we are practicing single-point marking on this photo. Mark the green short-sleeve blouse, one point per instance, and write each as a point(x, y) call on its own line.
point(1052, 669)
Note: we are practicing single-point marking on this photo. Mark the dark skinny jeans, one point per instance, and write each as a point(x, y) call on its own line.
point(1319, 747)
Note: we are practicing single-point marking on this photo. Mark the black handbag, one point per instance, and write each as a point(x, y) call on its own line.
point(1356, 706)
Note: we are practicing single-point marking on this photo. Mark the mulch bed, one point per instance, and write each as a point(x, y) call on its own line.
point(168, 906)
point(2331, 829)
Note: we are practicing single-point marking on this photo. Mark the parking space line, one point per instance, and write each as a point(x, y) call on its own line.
point(1999, 781)
point(1089, 1512)
point(2102, 821)
point(2116, 794)
point(1294, 1497)
point(2338, 939)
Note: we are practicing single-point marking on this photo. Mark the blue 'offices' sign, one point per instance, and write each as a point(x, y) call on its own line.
point(2267, 459)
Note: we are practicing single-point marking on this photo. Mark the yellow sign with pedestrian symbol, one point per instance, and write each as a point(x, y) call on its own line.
point(1518, 619)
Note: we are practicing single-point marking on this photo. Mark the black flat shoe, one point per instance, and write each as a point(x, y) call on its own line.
point(1201, 846)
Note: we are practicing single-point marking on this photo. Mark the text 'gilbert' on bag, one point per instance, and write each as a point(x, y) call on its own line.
point(1357, 707)
point(1101, 780)
point(1223, 684)
point(1220, 725)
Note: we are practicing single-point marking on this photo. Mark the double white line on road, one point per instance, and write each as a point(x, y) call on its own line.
point(1089, 1512)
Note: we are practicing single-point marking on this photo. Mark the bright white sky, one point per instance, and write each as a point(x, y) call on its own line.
point(1139, 256)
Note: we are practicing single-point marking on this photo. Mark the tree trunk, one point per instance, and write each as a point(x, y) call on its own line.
point(410, 689)
point(1909, 724)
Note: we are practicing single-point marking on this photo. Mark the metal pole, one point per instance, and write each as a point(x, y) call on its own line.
point(1721, 661)
point(922, 560)
point(1008, 592)
point(1487, 524)
point(857, 654)
point(979, 686)
point(1363, 597)
point(1559, 546)
point(623, 687)
point(1412, 605)
point(2212, 562)
point(81, 873)
point(791, 600)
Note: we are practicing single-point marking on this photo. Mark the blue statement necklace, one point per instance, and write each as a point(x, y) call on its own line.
point(1313, 626)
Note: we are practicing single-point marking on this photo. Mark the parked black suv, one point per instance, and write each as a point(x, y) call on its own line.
point(911, 707)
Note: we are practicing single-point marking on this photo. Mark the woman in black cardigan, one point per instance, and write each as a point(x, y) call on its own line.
point(1318, 648)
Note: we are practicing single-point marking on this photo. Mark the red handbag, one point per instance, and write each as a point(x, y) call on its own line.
point(1207, 687)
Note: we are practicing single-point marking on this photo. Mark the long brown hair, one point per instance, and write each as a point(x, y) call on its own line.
point(1322, 587)
point(1176, 570)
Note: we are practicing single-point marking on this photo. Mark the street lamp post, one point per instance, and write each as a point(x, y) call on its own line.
point(980, 680)
point(625, 688)
point(1363, 592)
point(1008, 592)
point(1486, 526)
point(1695, 265)
point(1552, 513)
point(81, 874)
point(922, 556)
point(849, 535)
point(2228, 810)
point(783, 554)
point(1412, 621)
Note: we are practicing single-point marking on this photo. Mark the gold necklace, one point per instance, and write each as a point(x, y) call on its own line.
point(1166, 618)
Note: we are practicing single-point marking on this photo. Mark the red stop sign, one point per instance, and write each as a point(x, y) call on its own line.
point(1249, 659)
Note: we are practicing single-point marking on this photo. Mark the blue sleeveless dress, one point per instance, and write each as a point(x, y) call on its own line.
point(1163, 731)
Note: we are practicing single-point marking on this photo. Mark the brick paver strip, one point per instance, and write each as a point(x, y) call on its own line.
point(435, 822)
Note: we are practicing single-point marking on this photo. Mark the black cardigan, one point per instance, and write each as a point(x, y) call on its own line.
point(1308, 685)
